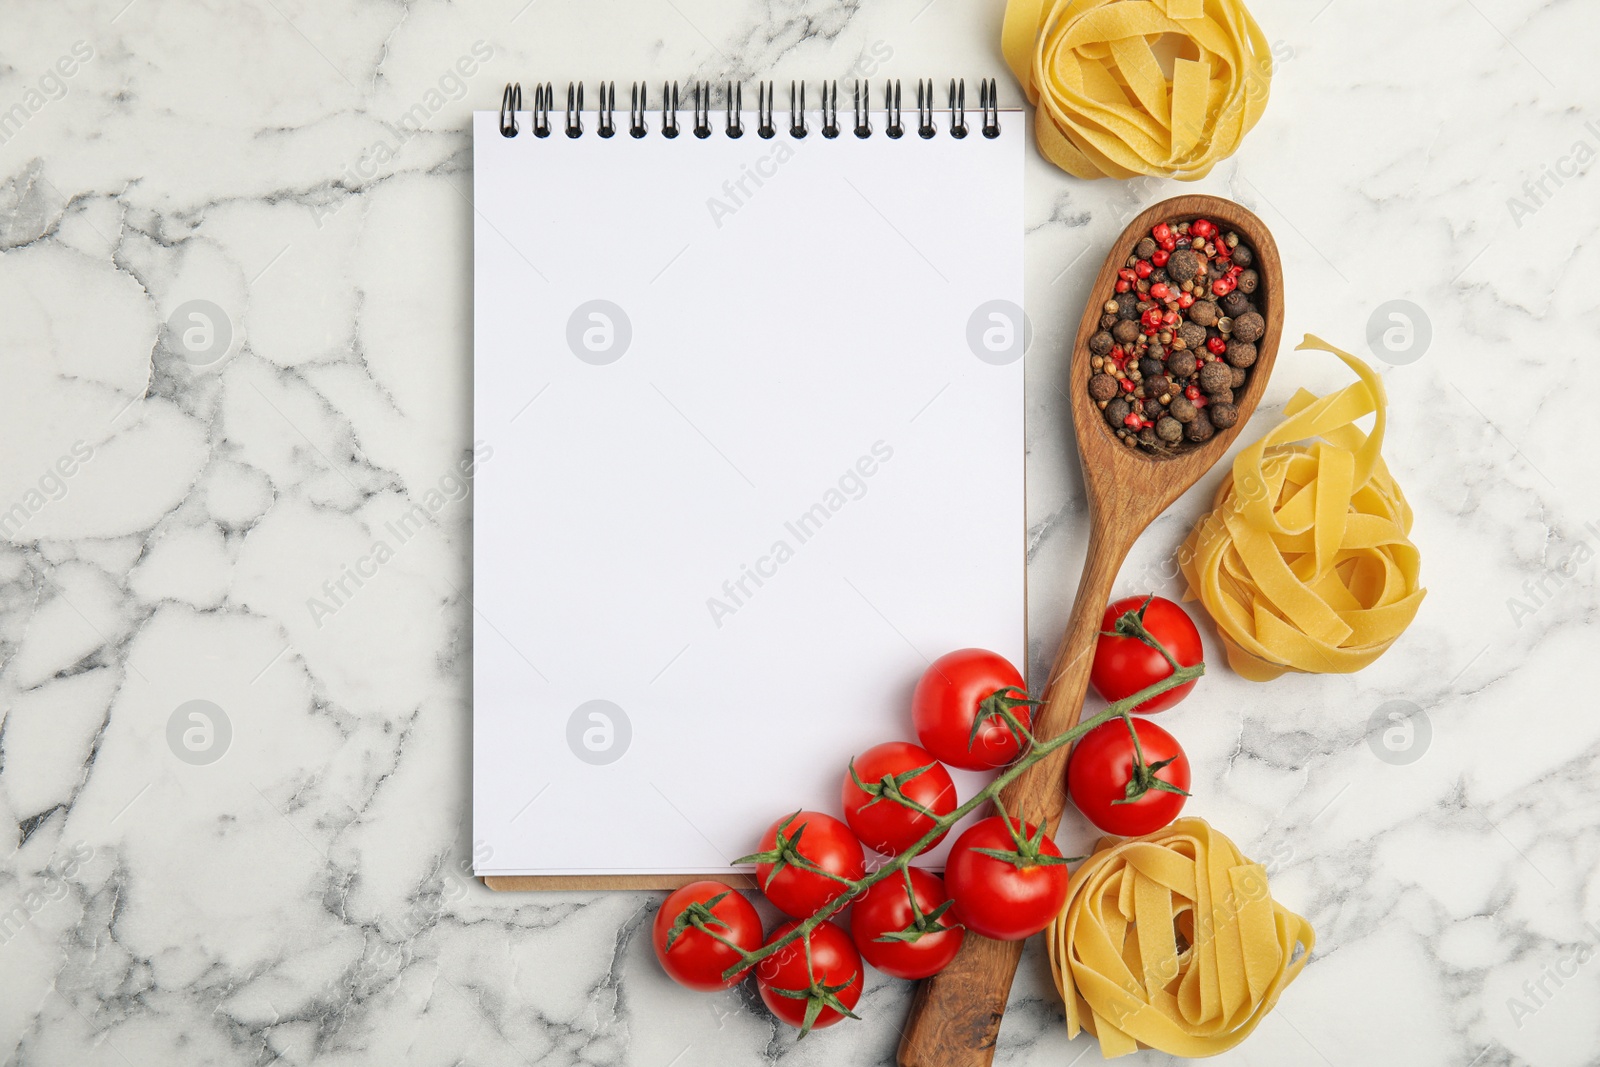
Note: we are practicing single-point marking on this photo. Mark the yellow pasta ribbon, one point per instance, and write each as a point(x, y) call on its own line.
point(1126, 978)
point(1305, 562)
point(1104, 106)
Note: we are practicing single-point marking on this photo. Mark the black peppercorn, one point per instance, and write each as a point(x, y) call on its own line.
point(1169, 429)
point(1193, 336)
point(1204, 312)
point(1117, 411)
point(1240, 354)
point(1150, 367)
point(1236, 304)
point(1145, 248)
point(1223, 415)
point(1181, 364)
point(1239, 376)
point(1249, 326)
point(1215, 377)
point(1222, 396)
point(1184, 265)
point(1127, 306)
point(1248, 280)
point(1153, 409)
point(1199, 428)
point(1125, 332)
point(1100, 343)
point(1182, 410)
point(1103, 386)
point(1157, 384)
point(1148, 438)
point(1108, 320)
point(1243, 257)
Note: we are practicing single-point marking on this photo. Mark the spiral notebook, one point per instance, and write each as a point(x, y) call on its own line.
point(749, 412)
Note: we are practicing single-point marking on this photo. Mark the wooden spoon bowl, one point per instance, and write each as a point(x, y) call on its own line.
point(956, 1015)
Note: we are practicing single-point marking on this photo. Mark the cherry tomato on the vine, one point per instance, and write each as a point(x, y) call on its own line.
point(817, 995)
point(1124, 663)
point(954, 693)
point(896, 768)
point(1105, 781)
point(683, 928)
point(1007, 897)
point(796, 851)
point(899, 941)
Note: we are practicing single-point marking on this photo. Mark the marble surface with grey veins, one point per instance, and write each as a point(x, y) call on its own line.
point(276, 874)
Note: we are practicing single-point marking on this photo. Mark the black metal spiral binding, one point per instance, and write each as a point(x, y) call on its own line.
point(510, 104)
point(607, 126)
point(636, 108)
point(544, 99)
point(797, 114)
point(702, 110)
point(669, 109)
point(575, 110)
point(958, 108)
point(830, 110)
point(764, 103)
point(735, 107)
point(925, 112)
point(863, 118)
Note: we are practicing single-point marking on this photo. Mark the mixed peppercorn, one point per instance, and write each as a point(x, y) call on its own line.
point(1178, 337)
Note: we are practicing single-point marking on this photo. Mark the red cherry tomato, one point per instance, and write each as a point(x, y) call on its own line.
point(946, 705)
point(695, 958)
point(1104, 762)
point(997, 898)
point(833, 980)
point(806, 836)
point(885, 911)
point(1123, 665)
point(883, 823)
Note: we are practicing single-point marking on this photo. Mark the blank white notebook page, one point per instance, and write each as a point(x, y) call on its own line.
point(754, 423)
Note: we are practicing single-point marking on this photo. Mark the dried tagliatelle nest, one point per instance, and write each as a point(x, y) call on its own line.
point(1172, 941)
point(1305, 562)
point(1106, 108)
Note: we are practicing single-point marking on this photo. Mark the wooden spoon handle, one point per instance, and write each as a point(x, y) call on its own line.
point(956, 1015)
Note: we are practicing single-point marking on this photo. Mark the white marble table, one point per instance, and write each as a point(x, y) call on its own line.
point(303, 899)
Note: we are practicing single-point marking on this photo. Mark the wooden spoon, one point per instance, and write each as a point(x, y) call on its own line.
point(955, 1017)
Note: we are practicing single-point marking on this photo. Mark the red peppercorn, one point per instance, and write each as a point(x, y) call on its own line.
point(1185, 299)
point(1202, 228)
point(1170, 244)
point(1221, 287)
point(1143, 268)
point(1160, 291)
point(1127, 385)
point(1169, 318)
point(1161, 232)
point(1117, 353)
point(1127, 274)
point(1193, 392)
point(1217, 345)
point(1132, 421)
point(1159, 257)
point(1200, 401)
point(1122, 286)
